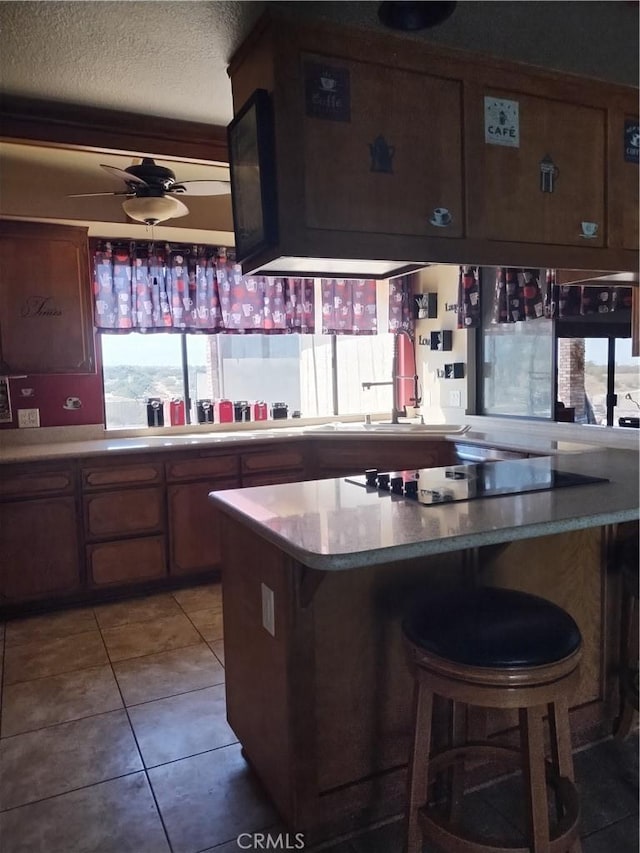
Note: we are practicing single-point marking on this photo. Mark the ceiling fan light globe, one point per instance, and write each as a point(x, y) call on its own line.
point(154, 209)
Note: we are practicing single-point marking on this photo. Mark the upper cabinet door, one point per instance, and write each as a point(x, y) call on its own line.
point(388, 157)
point(536, 170)
point(624, 150)
point(45, 299)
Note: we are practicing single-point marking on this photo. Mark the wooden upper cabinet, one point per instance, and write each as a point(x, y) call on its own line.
point(45, 299)
point(381, 163)
point(396, 162)
point(544, 189)
point(623, 196)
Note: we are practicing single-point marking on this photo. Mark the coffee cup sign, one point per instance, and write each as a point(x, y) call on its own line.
point(441, 217)
point(589, 230)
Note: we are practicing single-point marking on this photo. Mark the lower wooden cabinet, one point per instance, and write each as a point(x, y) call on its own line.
point(68, 529)
point(39, 549)
point(126, 561)
point(194, 527)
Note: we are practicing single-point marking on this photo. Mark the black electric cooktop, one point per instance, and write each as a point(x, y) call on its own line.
point(466, 482)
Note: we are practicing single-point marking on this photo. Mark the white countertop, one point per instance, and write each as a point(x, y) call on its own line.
point(334, 525)
point(79, 442)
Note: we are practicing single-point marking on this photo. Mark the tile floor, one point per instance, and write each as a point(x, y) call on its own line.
point(113, 738)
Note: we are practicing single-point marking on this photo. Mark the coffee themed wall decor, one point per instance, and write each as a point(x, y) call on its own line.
point(548, 174)
point(327, 92)
point(631, 140)
point(441, 217)
point(382, 155)
point(501, 122)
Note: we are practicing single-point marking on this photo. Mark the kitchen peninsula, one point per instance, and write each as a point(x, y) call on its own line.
point(316, 576)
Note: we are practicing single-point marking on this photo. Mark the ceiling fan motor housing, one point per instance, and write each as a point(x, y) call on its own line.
point(157, 177)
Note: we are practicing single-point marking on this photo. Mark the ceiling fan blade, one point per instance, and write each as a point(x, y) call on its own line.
point(122, 175)
point(201, 187)
point(93, 195)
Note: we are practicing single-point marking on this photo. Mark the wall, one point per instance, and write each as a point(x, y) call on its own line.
point(50, 394)
point(443, 400)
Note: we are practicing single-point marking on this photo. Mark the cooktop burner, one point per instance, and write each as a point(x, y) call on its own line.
point(430, 486)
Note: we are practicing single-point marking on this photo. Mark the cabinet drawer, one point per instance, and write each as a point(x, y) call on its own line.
point(274, 460)
point(273, 478)
point(143, 473)
point(123, 513)
point(202, 467)
point(15, 485)
point(128, 561)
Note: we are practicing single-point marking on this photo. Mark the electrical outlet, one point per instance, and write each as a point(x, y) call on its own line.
point(268, 610)
point(28, 417)
point(455, 399)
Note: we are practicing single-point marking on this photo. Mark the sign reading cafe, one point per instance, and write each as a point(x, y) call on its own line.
point(501, 122)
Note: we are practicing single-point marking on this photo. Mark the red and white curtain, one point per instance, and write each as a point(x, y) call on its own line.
point(143, 287)
point(349, 306)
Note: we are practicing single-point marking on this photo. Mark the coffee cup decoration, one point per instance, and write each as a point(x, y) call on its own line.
point(72, 403)
point(589, 230)
point(441, 217)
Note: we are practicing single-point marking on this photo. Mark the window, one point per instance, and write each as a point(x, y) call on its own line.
point(598, 379)
point(314, 375)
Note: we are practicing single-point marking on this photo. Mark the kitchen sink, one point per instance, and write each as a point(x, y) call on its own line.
point(399, 428)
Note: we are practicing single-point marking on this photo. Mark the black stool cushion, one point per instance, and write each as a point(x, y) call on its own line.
point(492, 627)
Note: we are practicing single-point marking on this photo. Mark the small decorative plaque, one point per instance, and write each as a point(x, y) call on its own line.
point(631, 140)
point(327, 92)
point(501, 122)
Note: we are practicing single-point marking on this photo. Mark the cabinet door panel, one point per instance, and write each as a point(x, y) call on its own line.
point(125, 512)
point(505, 200)
point(45, 313)
point(126, 561)
point(39, 548)
point(34, 483)
point(419, 119)
point(194, 526)
point(623, 195)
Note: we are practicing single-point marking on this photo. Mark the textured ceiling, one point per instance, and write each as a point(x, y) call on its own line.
point(170, 58)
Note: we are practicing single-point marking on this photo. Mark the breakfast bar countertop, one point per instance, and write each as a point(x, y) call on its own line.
point(336, 525)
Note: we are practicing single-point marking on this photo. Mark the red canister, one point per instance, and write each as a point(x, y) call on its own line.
point(176, 412)
point(223, 411)
point(258, 411)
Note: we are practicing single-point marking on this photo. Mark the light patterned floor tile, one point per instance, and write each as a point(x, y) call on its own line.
point(199, 597)
point(50, 626)
point(136, 610)
point(146, 638)
point(118, 816)
point(72, 755)
point(209, 799)
point(208, 622)
point(217, 647)
point(42, 658)
point(183, 725)
point(168, 673)
point(31, 705)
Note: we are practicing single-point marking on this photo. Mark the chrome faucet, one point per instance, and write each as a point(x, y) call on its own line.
point(396, 411)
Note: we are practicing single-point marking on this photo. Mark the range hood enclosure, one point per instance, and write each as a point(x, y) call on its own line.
point(352, 161)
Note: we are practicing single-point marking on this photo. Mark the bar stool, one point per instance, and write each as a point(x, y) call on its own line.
point(494, 648)
point(627, 556)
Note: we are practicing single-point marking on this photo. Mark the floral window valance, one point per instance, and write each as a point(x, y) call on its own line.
point(147, 287)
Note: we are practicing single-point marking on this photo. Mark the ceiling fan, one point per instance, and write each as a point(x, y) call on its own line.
point(152, 191)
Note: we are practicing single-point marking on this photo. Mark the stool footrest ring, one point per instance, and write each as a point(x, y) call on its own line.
point(447, 834)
